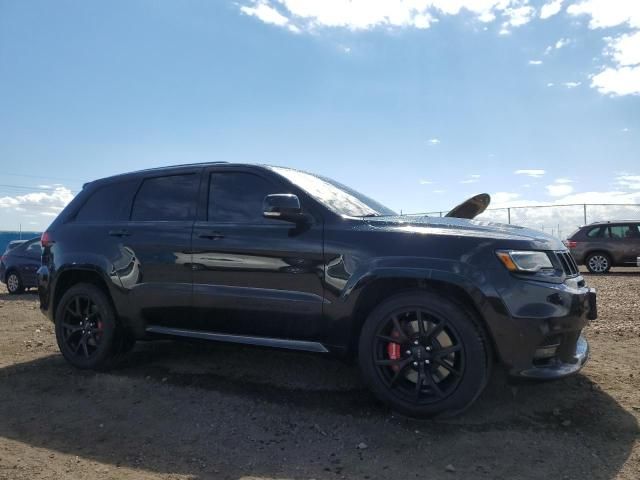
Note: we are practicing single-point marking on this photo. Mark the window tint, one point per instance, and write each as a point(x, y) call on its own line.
point(236, 197)
point(619, 232)
point(595, 232)
point(167, 198)
point(109, 203)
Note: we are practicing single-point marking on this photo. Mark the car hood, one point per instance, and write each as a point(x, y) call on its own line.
point(464, 228)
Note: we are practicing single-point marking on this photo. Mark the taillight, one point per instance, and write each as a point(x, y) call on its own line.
point(570, 243)
point(46, 240)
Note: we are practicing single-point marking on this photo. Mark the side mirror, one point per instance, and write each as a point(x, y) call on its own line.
point(283, 206)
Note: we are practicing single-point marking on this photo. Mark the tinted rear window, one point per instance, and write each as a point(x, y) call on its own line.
point(167, 198)
point(108, 203)
point(595, 232)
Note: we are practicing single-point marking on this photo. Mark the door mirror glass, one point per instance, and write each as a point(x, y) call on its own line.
point(283, 206)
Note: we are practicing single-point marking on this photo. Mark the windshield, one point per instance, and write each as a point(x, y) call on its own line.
point(335, 196)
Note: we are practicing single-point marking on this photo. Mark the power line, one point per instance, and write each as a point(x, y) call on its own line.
point(42, 176)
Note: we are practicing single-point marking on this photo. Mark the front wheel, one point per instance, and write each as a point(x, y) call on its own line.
point(423, 354)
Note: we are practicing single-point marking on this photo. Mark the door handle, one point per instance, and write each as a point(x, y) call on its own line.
point(119, 233)
point(211, 235)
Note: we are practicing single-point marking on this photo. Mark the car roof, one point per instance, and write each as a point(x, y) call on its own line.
point(166, 169)
point(607, 222)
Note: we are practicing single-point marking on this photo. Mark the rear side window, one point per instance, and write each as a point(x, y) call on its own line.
point(35, 248)
point(108, 203)
point(236, 197)
point(620, 232)
point(167, 198)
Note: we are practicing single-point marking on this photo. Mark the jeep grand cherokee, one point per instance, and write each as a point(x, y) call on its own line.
point(281, 258)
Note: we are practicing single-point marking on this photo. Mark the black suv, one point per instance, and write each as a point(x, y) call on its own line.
point(278, 257)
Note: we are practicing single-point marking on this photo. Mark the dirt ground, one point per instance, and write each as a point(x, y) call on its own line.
point(178, 411)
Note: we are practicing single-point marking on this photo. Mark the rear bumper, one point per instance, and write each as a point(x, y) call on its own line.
point(44, 291)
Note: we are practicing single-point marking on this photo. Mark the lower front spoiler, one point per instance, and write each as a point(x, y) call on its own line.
point(559, 369)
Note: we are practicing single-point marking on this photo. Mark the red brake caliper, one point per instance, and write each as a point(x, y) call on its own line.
point(393, 350)
point(99, 334)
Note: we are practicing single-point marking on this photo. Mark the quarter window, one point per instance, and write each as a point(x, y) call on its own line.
point(166, 198)
point(108, 203)
point(595, 232)
point(236, 197)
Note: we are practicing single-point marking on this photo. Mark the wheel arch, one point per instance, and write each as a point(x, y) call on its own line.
point(69, 277)
point(382, 288)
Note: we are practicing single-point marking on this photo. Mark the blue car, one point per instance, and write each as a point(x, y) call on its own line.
point(19, 264)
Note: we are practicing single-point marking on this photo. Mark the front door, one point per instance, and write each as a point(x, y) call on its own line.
point(254, 275)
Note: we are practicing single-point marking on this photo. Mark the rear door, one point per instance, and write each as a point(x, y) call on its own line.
point(254, 275)
point(156, 245)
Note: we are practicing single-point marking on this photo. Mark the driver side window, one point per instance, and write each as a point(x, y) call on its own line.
point(236, 197)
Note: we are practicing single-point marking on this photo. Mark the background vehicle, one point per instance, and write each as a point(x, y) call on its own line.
point(281, 258)
point(603, 245)
point(19, 265)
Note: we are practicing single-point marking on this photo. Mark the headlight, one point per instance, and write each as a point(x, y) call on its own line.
point(524, 260)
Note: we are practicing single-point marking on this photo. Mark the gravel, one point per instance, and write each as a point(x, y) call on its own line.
point(184, 411)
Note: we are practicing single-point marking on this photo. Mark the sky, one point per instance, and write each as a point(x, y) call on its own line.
point(416, 103)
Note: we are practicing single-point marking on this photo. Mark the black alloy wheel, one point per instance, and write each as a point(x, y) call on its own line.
point(85, 325)
point(419, 354)
point(424, 354)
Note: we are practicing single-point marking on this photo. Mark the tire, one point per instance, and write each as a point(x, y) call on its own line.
point(14, 283)
point(85, 316)
point(451, 361)
point(598, 263)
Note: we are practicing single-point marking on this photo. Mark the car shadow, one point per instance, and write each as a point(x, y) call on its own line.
point(225, 411)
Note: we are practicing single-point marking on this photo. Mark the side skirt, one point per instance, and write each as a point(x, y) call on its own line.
point(223, 337)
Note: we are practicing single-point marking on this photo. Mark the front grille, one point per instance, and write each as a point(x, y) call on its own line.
point(567, 263)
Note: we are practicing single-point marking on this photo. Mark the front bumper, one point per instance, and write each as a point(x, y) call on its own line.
point(544, 337)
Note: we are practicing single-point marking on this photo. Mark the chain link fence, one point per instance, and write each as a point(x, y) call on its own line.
point(558, 220)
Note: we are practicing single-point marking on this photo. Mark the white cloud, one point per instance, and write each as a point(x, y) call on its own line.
point(434, 141)
point(550, 84)
point(563, 42)
point(439, 191)
point(499, 199)
point(550, 9)
point(367, 14)
point(608, 13)
point(560, 187)
point(625, 129)
point(41, 203)
point(535, 62)
point(629, 181)
point(572, 84)
point(425, 182)
point(623, 77)
point(530, 173)
point(265, 12)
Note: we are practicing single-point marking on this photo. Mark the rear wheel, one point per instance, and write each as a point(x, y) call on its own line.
point(14, 283)
point(598, 262)
point(423, 354)
point(86, 328)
